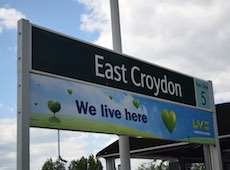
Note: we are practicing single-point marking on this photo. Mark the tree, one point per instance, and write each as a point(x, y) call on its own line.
point(48, 165)
point(155, 165)
point(80, 164)
point(198, 166)
point(90, 163)
point(58, 165)
point(94, 164)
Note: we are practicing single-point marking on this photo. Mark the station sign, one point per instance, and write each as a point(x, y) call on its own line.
point(57, 54)
point(76, 85)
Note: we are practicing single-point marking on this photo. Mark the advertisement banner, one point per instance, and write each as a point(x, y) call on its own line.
point(73, 105)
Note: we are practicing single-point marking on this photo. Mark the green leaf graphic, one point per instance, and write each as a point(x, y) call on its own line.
point(169, 119)
point(111, 97)
point(136, 103)
point(54, 106)
point(70, 91)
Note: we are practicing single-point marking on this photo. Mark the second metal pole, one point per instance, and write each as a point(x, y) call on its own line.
point(58, 143)
point(117, 47)
point(215, 150)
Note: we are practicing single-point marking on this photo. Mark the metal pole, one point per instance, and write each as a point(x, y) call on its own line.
point(207, 157)
point(23, 108)
point(117, 47)
point(124, 152)
point(58, 143)
point(115, 21)
point(110, 164)
point(215, 151)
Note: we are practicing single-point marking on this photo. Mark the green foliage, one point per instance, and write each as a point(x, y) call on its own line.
point(155, 165)
point(94, 164)
point(90, 163)
point(80, 164)
point(198, 166)
point(59, 165)
point(164, 165)
point(48, 165)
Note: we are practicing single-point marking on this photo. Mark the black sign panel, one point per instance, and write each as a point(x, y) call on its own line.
point(61, 55)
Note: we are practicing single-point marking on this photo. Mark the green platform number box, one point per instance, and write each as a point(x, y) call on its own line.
point(202, 94)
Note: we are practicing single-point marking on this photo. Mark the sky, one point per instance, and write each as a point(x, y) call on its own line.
point(190, 37)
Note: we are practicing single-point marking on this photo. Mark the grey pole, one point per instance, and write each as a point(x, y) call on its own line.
point(115, 21)
point(110, 164)
point(215, 151)
point(124, 152)
point(207, 157)
point(23, 108)
point(117, 47)
point(59, 143)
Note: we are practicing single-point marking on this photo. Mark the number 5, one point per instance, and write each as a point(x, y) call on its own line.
point(204, 98)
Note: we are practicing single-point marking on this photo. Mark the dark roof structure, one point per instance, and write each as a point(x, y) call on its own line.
point(188, 152)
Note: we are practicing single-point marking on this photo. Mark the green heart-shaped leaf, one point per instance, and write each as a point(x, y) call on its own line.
point(111, 97)
point(54, 106)
point(169, 119)
point(136, 103)
point(70, 91)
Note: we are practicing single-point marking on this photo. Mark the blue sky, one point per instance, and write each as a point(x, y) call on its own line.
point(45, 15)
point(65, 14)
point(63, 17)
point(191, 37)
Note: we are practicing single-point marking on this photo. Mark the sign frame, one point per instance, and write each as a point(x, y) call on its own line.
point(23, 109)
point(99, 79)
point(33, 68)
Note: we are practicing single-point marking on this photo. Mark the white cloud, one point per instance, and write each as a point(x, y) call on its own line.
point(8, 130)
point(73, 145)
point(9, 18)
point(44, 145)
point(97, 19)
point(192, 37)
point(8, 144)
point(97, 16)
